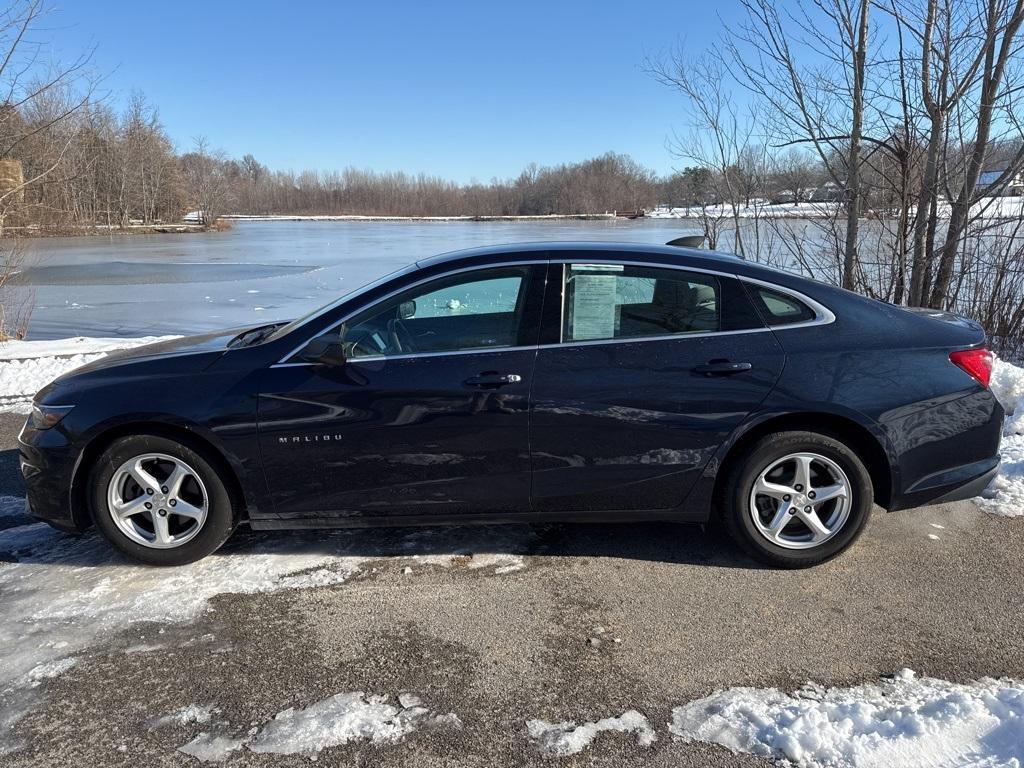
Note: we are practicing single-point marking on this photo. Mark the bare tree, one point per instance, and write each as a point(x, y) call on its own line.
point(1002, 23)
point(810, 69)
point(722, 135)
point(796, 170)
point(205, 181)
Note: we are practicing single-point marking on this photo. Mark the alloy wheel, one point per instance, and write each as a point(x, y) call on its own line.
point(801, 500)
point(157, 500)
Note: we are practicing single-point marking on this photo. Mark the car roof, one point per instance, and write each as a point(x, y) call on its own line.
point(590, 246)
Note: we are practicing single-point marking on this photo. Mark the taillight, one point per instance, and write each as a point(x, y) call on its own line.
point(977, 363)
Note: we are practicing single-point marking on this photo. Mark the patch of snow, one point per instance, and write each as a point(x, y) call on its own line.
point(187, 715)
point(906, 721)
point(336, 720)
point(567, 738)
point(346, 717)
point(510, 568)
point(1005, 494)
point(209, 748)
point(49, 669)
point(61, 595)
point(28, 366)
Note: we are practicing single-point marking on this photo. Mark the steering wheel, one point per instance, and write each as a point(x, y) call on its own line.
point(399, 337)
point(363, 342)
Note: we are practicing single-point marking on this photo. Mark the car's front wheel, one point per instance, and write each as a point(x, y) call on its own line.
point(159, 501)
point(794, 499)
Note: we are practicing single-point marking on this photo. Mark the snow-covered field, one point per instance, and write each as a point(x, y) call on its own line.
point(989, 208)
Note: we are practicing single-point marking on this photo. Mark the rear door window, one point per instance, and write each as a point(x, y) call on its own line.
point(605, 301)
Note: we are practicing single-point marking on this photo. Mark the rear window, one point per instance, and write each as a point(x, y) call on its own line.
point(780, 308)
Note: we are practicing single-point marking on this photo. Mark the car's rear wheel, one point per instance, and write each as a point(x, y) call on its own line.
point(159, 501)
point(794, 499)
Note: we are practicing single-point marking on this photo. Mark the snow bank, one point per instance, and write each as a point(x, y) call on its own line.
point(905, 721)
point(1005, 494)
point(64, 595)
point(339, 719)
point(564, 739)
point(28, 366)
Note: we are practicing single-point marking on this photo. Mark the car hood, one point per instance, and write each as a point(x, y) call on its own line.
point(214, 342)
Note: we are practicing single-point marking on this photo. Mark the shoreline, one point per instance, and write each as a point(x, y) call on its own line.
point(98, 230)
point(361, 218)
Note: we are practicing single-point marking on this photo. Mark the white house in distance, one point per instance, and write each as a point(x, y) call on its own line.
point(1014, 185)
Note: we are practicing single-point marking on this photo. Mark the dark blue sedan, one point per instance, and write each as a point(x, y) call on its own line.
point(548, 381)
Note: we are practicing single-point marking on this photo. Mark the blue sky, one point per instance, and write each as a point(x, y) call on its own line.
point(462, 89)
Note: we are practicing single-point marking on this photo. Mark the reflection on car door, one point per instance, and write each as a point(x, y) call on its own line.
point(429, 415)
point(656, 368)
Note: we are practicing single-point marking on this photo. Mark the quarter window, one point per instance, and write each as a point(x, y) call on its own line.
point(780, 308)
point(621, 301)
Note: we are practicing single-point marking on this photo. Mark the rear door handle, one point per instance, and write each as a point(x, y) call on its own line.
point(721, 368)
point(492, 379)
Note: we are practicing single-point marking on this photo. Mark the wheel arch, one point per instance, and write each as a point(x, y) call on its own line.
point(103, 440)
point(859, 438)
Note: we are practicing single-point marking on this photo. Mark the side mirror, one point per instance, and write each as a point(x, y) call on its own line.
point(407, 309)
point(324, 350)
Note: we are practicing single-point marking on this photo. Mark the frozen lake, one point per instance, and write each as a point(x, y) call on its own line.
point(258, 272)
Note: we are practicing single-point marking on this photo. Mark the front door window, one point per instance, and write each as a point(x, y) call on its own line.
point(477, 310)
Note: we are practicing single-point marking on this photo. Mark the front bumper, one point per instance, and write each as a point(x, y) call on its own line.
point(48, 462)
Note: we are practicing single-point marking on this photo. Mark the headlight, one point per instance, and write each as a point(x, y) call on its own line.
point(46, 416)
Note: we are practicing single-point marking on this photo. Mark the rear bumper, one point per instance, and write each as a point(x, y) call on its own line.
point(955, 484)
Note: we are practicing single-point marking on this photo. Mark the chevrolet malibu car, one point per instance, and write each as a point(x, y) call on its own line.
point(551, 381)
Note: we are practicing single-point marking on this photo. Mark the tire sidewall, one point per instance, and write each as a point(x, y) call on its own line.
point(220, 517)
point(774, 447)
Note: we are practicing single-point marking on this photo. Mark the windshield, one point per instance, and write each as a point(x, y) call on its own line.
point(286, 329)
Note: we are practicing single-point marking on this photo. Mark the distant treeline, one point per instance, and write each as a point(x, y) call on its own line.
point(117, 169)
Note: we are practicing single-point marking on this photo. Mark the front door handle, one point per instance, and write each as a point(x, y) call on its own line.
point(493, 379)
point(722, 368)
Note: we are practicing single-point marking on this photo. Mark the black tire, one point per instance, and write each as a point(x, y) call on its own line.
point(220, 519)
point(735, 507)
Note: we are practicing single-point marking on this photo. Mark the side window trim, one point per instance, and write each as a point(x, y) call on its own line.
point(289, 361)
